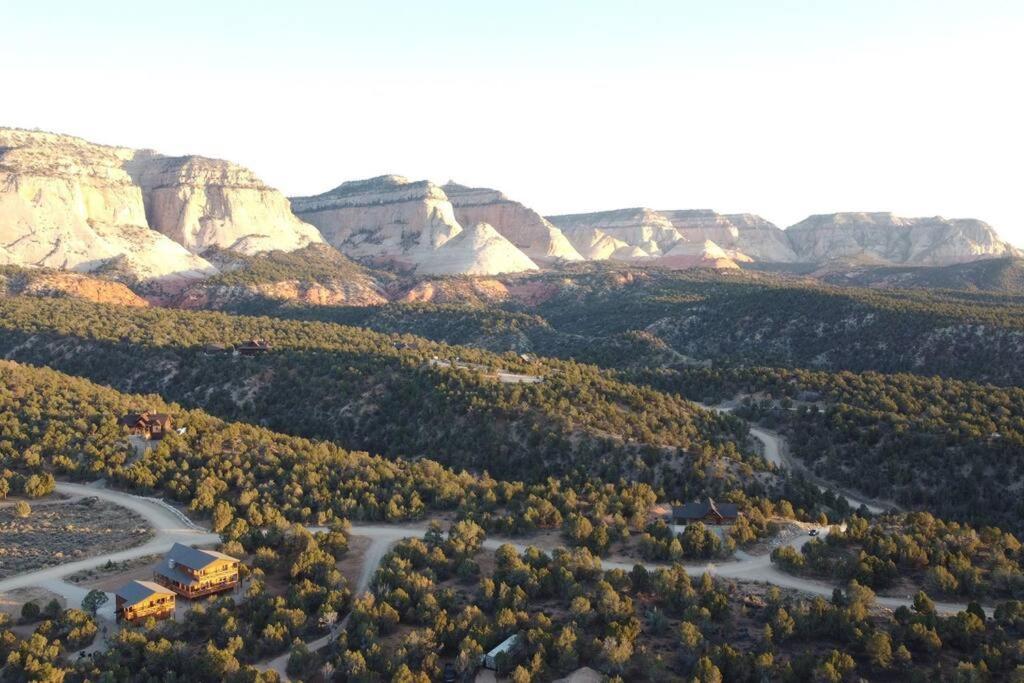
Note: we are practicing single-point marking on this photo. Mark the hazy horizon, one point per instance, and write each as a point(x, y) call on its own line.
point(784, 112)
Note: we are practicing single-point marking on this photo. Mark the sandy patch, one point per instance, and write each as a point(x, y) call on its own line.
point(59, 533)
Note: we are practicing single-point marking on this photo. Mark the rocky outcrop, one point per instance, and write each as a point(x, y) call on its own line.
point(685, 254)
point(645, 229)
point(524, 227)
point(888, 239)
point(219, 296)
point(46, 283)
point(456, 291)
point(202, 203)
point(596, 245)
point(479, 250)
point(390, 220)
point(69, 204)
point(743, 236)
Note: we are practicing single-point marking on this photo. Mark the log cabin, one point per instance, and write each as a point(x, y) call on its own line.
point(194, 573)
point(143, 599)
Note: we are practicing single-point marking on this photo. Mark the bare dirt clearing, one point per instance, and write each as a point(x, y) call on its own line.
point(111, 576)
point(55, 534)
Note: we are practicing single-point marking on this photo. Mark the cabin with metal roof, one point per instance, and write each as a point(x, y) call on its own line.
point(194, 573)
point(706, 511)
point(143, 599)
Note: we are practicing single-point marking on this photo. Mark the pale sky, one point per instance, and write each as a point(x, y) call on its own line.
point(783, 108)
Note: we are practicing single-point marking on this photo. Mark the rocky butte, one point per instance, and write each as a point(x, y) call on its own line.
point(390, 220)
point(533, 234)
point(889, 239)
point(70, 204)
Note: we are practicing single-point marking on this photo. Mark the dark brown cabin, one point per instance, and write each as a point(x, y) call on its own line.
point(147, 424)
point(253, 347)
point(706, 511)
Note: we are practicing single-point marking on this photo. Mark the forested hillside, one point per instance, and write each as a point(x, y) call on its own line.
point(386, 394)
point(953, 448)
point(621, 317)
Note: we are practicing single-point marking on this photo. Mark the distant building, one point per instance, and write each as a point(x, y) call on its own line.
point(253, 347)
point(707, 511)
point(506, 647)
point(143, 599)
point(193, 573)
point(147, 424)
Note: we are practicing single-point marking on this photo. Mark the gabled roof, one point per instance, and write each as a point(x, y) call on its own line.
point(702, 508)
point(144, 418)
point(136, 591)
point(254, 344)
point(194, 558)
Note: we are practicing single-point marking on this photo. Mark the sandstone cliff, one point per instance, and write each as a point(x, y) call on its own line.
point(744, 236)
point(524, 227)
point(69, 204)
point(390, 220)
point(885, 238)
point(643, 228)
point(316, 274)
point(705, 254)
point(202, 203)
point(387, 219)
point(50, 283)
point(479, 250)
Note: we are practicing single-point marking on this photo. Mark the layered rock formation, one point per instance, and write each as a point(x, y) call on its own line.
point(744, 236)
point(885, 238)
point(70, 204)
point(685, 254)
point(392, 220)
point(202, 203)
point(524, 227)
point(47, 283)
point(645, 229)
point(479, 250)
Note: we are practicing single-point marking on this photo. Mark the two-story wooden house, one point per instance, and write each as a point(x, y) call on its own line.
point(143, 599)
point(193, 573)
point(147, 424)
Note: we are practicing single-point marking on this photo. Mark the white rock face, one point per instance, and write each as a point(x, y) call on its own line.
point(387, 219)
point(69, 204)
point(703, 254)
point(480, 250)
point(596, 245)
point(392, 220)
point(635, 227)
point(202, 203)
point(744, 236)
point(524, 227)
point(886, 238)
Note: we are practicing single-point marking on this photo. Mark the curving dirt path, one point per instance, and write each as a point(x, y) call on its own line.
point(170, 526)
point(776, 451)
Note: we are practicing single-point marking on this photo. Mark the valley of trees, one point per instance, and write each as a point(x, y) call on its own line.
point(621, 317)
